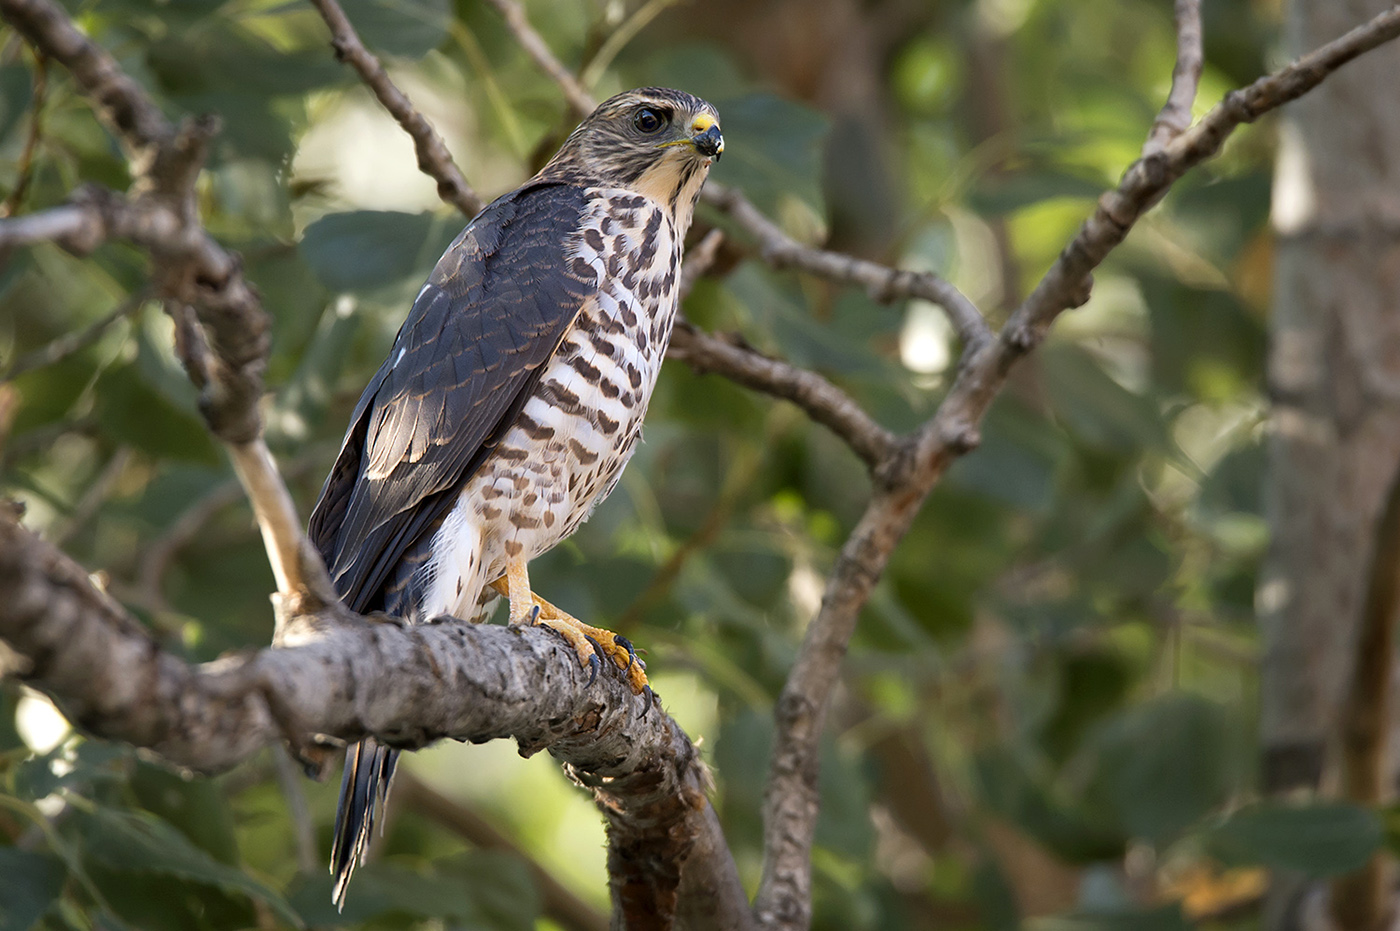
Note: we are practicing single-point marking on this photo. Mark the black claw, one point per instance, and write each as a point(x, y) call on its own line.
point(647, 696)
point(534, 617)
point(594, 663)
point(631, 651)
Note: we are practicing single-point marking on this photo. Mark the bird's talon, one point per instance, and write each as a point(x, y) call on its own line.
point(534, 617)
point(593, 666)
point(647, 696)
point(631, 651)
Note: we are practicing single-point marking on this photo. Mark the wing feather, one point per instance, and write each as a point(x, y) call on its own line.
point(463, 365)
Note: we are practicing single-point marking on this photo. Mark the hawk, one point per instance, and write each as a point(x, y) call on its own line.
point(513, 397)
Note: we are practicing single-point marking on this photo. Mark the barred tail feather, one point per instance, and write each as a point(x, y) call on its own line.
point(364, 790)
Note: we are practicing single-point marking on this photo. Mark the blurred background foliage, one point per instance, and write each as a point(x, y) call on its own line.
point(1047, 718)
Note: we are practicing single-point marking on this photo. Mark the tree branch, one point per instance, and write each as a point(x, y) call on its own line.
point(824, 402)
point(1175, 117)
point(881, 282)
point(226, 352)
point(338, 678)
point(578, 98)
point(906, 478)
point(434, 160)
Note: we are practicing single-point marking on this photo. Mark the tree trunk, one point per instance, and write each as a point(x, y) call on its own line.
point(1334, 379)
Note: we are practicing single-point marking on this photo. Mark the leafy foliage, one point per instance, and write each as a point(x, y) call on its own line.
point(1058, 669)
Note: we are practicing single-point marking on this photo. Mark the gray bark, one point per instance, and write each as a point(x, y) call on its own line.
point(1334, 379)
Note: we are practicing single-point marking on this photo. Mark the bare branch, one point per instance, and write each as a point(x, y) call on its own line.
point(580, 101)
point(155, 561)
point(1175, 117)
point(881, 282)
point(906, 478)
point(338, 678)
point(298, 811)
point(1065, 285)
point(226, 353)
point(433, 158)
point(75, 227)
point(560, 903)
point(302, 581)
point(825, 403)
point(121, 102)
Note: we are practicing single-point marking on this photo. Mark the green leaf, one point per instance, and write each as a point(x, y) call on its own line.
point(1319, 840)
point(216, 56)
point(366, 250)
point(1164, 764)
point(772, 149)
point(29, 883)
point(407, 28)
point(196, 807)
point(136, 841)
point(132, 412)
point(15, 94)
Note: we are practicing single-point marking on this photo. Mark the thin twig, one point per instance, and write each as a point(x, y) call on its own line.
point(70, 343)
point(579, 100)
point(155, 562)
point(560, 903)
point(434, 160)
point(881, 282)
point(289, 779)
point(226, 353)
point(25, 168)
point(1175, 117)
point(93, 497)
point(825, 403)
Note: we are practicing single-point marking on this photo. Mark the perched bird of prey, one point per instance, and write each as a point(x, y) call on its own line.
point(513, 397)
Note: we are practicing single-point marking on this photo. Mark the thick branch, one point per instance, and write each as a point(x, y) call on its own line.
point(340, 678)
point(1175, 117)
point(433, 158)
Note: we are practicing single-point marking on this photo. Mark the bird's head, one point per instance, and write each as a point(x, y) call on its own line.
point(652, 140)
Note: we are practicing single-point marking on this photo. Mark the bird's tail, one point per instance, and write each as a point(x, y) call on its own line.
point(364, 790)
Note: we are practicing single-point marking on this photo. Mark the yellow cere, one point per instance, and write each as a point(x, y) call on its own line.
point(702, 122)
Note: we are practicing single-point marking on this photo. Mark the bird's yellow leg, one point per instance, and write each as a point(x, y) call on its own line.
point(586, 640)
point(516, 588)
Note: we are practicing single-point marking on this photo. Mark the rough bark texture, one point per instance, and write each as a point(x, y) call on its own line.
point(336, 678)
point(1334, 377)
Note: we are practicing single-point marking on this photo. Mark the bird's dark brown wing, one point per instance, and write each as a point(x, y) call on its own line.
point(465, 361)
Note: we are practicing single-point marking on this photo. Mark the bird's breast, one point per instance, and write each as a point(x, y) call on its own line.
point(567, 449)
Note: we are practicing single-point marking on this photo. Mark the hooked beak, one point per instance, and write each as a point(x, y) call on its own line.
point(706, 137)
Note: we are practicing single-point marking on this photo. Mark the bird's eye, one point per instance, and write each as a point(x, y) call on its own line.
point(648, 120)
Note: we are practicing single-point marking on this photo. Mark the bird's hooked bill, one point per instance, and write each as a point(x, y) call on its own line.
point(707, 139)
